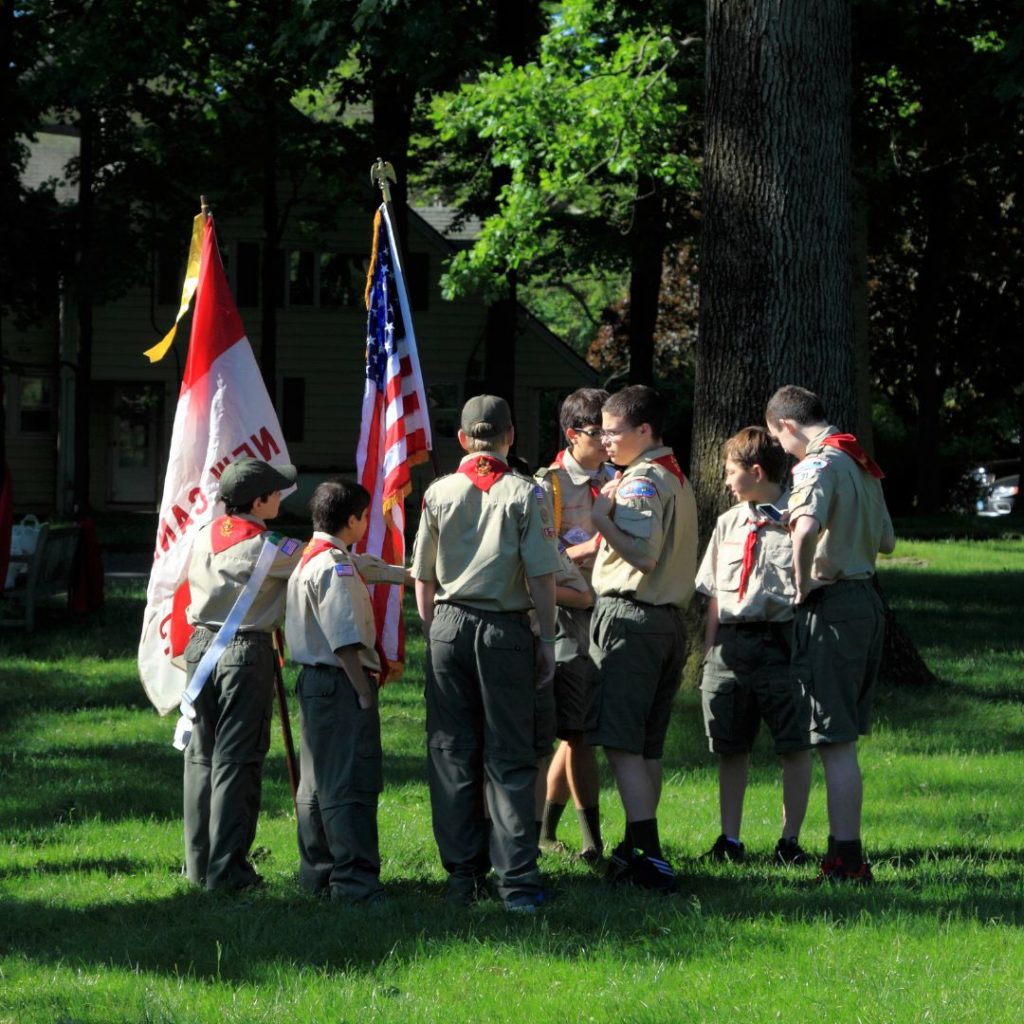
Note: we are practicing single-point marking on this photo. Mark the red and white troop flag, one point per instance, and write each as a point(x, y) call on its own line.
point(223, 413)
point(394, 434)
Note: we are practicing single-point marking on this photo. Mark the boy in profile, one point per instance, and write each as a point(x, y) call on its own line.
point(747, 573)
point(331, 634)
point(838, 523)
point(643, 578)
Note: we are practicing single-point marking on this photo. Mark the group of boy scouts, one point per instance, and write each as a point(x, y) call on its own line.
point(553, 607)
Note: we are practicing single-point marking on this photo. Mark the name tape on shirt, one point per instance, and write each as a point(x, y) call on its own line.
point(639, 488)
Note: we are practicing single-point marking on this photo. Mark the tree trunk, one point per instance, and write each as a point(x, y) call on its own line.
point(84, 304)
point(777, 262)
point(272, 274)
point(393, 98)
point(775, 302)
point(647, 252)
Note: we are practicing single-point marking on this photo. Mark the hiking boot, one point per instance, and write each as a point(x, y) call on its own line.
point(790, 852)
point(726, 850)
point(834, 870)
point(466, 892)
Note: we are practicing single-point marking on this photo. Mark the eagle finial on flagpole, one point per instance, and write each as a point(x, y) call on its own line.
point(380, 173)
point(204, 207)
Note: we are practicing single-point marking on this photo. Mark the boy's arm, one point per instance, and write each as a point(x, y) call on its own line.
point(887, 544)
point(627, 547)
point(425, 591)
point(361, 683)
point(711, 626)
point(570, 597)
point(804, 530)
point(542, 592)
point(376, 570)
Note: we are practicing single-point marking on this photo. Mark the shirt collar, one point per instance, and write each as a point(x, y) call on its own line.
point(330, 539)
point(478, 455)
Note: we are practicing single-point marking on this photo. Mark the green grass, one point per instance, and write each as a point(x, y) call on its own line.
point(97, 924)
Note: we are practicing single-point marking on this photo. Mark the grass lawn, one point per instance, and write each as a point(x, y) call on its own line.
point(97, 924)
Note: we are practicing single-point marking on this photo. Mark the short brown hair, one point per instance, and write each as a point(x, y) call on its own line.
point(639, 404)
point(754, 446)
point(795, 403)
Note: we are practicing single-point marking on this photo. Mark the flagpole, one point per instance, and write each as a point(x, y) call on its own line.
point(382, 173)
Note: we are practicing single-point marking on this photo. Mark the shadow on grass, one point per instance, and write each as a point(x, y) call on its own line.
point(242, 937)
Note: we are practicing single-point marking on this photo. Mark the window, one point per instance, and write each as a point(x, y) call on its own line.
point(342, 280)
point(247, 274)
point(301, 281)
point(417, 280)
point(35, 405)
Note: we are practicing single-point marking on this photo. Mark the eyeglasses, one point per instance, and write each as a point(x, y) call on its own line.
point(592, 432)
point(613, 434)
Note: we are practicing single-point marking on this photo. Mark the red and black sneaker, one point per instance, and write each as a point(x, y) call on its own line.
point(834, 870)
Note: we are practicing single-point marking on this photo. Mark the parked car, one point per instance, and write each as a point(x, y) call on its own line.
point(998, 498)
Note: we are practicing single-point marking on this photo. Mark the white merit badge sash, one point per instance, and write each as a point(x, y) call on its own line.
point(183, 730)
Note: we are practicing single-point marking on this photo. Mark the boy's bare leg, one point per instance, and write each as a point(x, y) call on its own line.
point(638, 783)
point(585, 785)
point(796, 790)
point(553, 795)
point(558, 783)
point(844, 788)
point(732, 787)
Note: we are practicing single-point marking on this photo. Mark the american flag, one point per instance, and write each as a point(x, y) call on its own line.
point(394, 433)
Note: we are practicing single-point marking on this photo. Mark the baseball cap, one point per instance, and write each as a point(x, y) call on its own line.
point(247, 479)
point(486, 416)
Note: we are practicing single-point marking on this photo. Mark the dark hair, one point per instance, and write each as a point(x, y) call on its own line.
point(246, 507)
point(582, 407)
point(335, 501)
point(794, 403)
point(754, 446)
point(639, 404)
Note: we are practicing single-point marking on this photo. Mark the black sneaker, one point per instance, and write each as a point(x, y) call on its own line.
point(592, 857)
point(790, 852)
point(620, 865)
point(653, 873)
point(726, 850)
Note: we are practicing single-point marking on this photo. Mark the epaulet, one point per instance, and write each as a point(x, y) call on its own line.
point(543, 472)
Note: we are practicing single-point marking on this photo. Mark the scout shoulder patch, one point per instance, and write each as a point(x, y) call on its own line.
point(808, 469)
point(345, 569)
point(538, 492)
point(290, 546)
point(637, 488)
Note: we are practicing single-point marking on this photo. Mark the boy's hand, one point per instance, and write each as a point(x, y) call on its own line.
point(605, 501)
point(545, 664)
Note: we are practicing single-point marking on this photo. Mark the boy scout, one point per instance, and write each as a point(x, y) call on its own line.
point(643, 578)
point(483, 551)
point(747, 572)
point(573, 481)
point(838, 522)
point(231, 730)
point(332, 635)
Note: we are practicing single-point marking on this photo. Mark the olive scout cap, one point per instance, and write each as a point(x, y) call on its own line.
point(248, 479)
point(486, 416)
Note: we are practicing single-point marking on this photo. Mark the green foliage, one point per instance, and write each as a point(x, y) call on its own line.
point(575, 130)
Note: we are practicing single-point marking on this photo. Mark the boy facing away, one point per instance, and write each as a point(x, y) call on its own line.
point(747, 572)
point(839, 523)
point(485, 553)
point(643, 578)
point(332, 636)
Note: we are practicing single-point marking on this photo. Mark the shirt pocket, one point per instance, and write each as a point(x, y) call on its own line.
point(778, 568)
point(730, 568)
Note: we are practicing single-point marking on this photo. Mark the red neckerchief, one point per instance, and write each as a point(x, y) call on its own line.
point(227, 531)
point(484, 471)
point(595, 488)
point(669, 463)
point(849, 445)
point(315, 547)
point(749, 547)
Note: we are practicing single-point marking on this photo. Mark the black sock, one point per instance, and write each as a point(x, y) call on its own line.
point(549, 821)
point(644, 836)
point(850, 852)
point(590, 828)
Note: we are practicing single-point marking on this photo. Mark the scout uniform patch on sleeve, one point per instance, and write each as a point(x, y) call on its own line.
point(638, 488)
point(345, 569)
point(808, 469)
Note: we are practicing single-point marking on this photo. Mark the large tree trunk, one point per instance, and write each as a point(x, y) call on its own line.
point(272, 275)
point(647, 252)
point(777, 261)
point(775, 268)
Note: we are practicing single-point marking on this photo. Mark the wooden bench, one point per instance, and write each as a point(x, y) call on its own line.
point(48, 573)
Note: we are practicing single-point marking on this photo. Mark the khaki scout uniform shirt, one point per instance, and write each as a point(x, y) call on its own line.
point(329, 606)
point(848, 504)
point(770, 587)
point(216, 579)
point(575, 502)
point(653, 508)
point(479, 546)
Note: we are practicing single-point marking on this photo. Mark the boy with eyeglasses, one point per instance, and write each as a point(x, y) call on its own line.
point(573, 482)
point(643, 577)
